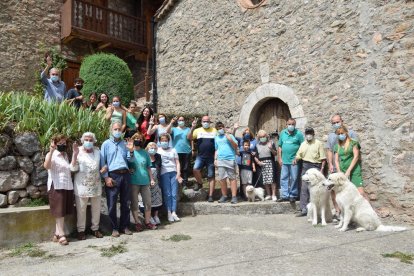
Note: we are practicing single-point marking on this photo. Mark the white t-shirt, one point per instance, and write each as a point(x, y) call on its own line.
point(168, 159)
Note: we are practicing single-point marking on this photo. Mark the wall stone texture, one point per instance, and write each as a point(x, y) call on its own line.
point(351, 57)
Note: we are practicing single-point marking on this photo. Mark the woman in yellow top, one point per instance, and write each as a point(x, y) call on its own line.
point(116, 113)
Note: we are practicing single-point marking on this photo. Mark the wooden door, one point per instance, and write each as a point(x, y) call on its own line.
point(272, 116)
point(70, 74)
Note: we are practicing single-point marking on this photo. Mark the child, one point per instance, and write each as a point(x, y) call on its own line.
point(156, 195)
point(247, 166)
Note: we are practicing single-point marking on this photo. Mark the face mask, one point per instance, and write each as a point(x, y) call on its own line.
point(162, 120)
point(309, 137)
point(151, 151)
point(79, 86)
point(88, 145)
point(61, 148)
point(291, 128)
point(342, 137)
point(116, 104)
point(181, 123)
point(54, 78)
point(336, 126)
point(137, 143)
point(205, 125)
point(117, 134)
point(221, 131)
point(164, 145)
point(263, 140)
point(247, 136)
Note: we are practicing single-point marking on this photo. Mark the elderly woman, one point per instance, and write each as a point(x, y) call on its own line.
point(59, 184)
point(87, 184)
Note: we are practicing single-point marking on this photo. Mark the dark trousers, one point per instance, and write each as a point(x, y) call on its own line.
point(304, 191)
point(184, 159)
point(122, 189)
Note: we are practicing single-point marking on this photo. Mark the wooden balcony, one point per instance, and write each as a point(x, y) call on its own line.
point(106, 27)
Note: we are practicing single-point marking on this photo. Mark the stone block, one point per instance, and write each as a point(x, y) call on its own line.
point(23, 202)
point(13, 180)
point(5, 144)
point(25, 163)
point(33, 191)
point(8, 163)
point(3, 200)
point(12, 197)
point(22, 193)
point(39, 176)
point(27, 144)
point(193, 196)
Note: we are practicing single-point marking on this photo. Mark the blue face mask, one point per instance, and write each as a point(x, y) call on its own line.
point(164, 145)
point(88, 145)
point(151, 151)
point(162, 120)
point(54, 78)
point(221, 131)
point(247, 136)
point(342, 137)
point(116, 104)
point(336, 126)
point(181, 123)
point(117, 134)
point(291, 128)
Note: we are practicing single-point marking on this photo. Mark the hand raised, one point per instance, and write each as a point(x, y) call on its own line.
point(75, 148)
point(151, 120)
point(49, 61)
point(130, 144)
point(194, 123)
point(52, 145)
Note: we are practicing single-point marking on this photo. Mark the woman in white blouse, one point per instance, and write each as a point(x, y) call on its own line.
point(59, 184)
point(87, 184)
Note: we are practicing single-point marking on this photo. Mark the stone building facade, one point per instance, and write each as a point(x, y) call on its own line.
point(316, 58)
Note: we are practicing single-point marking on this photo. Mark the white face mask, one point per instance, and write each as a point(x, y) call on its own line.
point(309, 137)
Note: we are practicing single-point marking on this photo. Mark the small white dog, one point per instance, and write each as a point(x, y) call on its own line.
point(354, 207)
point(319, 197)
point(253, 192)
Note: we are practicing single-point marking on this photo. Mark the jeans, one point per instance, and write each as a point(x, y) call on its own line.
point(304, 192)
point(288, 181)
point(184, 164)
point(169, 186)
point(122, 188)
point(205, 162)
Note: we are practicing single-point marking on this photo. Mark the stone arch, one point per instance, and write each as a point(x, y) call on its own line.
point(267, 92)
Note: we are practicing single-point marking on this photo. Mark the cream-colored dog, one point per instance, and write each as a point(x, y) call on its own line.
point(253, 192)
point(319, 197)
point(354, 207)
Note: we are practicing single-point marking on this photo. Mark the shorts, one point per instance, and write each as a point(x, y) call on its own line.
point(205, 162)
point(226, 169)
point(246, 177)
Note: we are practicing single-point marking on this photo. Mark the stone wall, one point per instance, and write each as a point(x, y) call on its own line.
point(26, 26)
point(352, 57)
point(22, 176)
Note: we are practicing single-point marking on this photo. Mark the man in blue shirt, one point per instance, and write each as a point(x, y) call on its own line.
point(225, 159)
point(289, 143)
point(54, 87)
point(114, 160)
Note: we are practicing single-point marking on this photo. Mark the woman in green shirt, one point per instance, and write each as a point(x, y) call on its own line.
point(347, 158)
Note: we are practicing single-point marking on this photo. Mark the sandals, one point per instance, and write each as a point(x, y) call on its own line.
point(55, 238)
point(63, 241)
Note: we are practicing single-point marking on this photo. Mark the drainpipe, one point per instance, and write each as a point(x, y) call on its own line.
point(154, 65)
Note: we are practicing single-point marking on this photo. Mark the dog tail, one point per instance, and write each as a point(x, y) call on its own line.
point(388, 228)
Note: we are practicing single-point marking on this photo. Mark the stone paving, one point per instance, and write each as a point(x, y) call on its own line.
point(226, 245)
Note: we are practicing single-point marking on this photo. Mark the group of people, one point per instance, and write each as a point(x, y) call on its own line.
point(148, 155)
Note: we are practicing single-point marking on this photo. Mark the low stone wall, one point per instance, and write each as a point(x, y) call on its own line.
point(22, 175)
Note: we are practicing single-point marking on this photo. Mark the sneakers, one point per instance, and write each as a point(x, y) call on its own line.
point(210, 199)
point(302, 213)
point(115, 234)
point(150, 226)
point(152, 221)
point(127, 231)
point(268, 197)
point(81, 236)
point(282, 199)
point(223, 199)
point(234, 200)
point(157, 220)
point(97, 234)
point(170, 218)
point(175, 217)
point(274, 198)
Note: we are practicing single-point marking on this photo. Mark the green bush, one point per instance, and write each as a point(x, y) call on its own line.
point(31, 114)
point(107, 73)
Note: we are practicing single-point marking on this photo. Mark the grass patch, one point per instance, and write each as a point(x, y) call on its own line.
point(404, 257)
point(92, 246)
point(28, 249)
point(37, 202)
point(113, 250)
point(178, 237)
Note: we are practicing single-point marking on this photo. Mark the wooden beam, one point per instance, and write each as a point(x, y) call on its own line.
point(104, 45)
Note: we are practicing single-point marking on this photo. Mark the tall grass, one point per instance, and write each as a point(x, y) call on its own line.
point(31, 114)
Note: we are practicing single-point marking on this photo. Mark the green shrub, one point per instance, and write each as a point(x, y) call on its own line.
point(107, 73)
point(31, 114)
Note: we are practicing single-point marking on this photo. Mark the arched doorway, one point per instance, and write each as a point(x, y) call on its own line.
point(270, 116)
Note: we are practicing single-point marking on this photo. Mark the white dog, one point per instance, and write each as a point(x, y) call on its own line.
point(319, 197)
point(252, 192)
point(354, 207)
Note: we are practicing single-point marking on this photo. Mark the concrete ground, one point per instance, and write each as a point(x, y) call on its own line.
point(226, 245)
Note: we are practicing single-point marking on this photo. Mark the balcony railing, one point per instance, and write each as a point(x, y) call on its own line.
point(92, 22)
